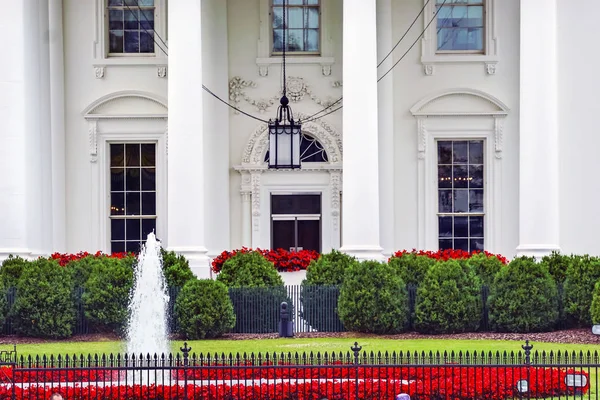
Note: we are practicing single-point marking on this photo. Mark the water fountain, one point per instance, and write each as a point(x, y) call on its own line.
point(147, 328)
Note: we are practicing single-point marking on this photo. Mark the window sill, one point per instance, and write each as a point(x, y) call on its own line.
point(160, 63)
point(264, 63)
point(489, 61)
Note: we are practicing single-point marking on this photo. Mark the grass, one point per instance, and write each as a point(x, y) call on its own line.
point(301, 345)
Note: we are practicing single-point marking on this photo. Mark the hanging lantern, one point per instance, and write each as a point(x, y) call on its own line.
point(284, 138)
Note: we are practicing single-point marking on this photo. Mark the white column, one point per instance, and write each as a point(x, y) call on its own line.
point(186, 166)
point(538, 167)
point(361, 159)
point(246, 219)
point(57, 126)
point(386, 127)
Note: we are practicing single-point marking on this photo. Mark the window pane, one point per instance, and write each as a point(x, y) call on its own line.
point(133, 247)
point(295, 40)
point(115, 41)
point(461, 227)
point(475, 17)
point(148, 179)
point(476, 176)
point(117, 247)
point(115, 3)
point(147, 42)
point(296, 204)
point(117, 179)
point(477, 245)
point(115, 19)
point(475, 39)
point(132, 179)
point(459, 152)
point(133, 229)
point(148, 155)
point(132, 41)
point(117, 229)
point(277, 40)
point(147, 20)
point(313, 40)
point(444, 152)
point(475, 200)
point(444, 18)
point(131, 18)
point(309, 235)
point(476, 152)
point(461, 201)
point(149, 203)
point(461, 176)
point(145, 3)
point(459, 16)
point(117, 152)
point(445, 227)
point(148, 225)
point(445, 201)
point(445, 244)
point(117, 203)
point(461, 244)
point(445, 176)
point(313, 17)
point(277, 17)
point(132, 155)
point(476, 226)
point(284, 235)
point(132, 200)
point(295, 18)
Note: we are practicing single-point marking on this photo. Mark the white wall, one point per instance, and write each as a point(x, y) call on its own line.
point(579, 139)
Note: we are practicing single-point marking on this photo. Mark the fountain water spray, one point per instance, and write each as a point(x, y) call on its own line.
point(147, 328)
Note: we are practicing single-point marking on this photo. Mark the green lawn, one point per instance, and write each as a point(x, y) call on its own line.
point(301, 345)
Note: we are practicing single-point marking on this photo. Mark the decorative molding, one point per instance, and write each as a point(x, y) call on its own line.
point(429, 69)
point(93, 107)
point(498, 136)
point(422, 138)
point(490, 68)
point(99, 72)
point(297, 89)
point(335, 182)
point(161, 71)
point(167, 137)
point(93, 140)
point(326, 70)
point(255, 185)
point(263, 70)
point(419, 109)
point(257, 145)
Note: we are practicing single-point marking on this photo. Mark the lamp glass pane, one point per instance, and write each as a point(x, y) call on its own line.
point(296, 136)
point(284, 142)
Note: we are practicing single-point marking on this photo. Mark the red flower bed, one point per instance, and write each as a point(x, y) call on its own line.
point(449, 254)
point(283, 260)
point(64, 259)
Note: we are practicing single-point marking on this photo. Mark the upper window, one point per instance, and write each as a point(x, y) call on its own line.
point(131, 27)
point(302, 26)
point(460, 194)
point(132, 195)
point(461, 26)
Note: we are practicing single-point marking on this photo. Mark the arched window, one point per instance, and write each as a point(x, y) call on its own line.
point(310, 150)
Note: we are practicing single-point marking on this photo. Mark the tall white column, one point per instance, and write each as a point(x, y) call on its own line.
point(385, 91)
point(186, 166)
point(360, 204)
point(57, 125)
point(246, 219)
point(538, 185)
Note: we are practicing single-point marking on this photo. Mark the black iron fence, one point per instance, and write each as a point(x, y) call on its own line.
point(314, 308)
point(356, 374)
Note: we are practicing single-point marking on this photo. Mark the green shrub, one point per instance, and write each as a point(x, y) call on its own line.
point(321, 288)
point(411, 267)
point(448, 300)
point(373, 298)
point(44, 305)
point(106, 294)
point(176, 269)
point(249, 270)
point(81, 269)
point(582, 274)
point(204, 310)
point(595, 308)
point(3, 303)
point(256, 290)
point(557, 265)
point(523, 298)
point(11, 270)
point(485, 267)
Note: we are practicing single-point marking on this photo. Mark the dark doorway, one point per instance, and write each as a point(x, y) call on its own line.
point(296, 222)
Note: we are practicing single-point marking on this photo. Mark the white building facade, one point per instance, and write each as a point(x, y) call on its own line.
point(480, 136)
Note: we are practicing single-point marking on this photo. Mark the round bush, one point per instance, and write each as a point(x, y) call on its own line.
point(176, 269)
point(256, 291)
point(320, 291)
point(523, 298)
point(204, 310)
point(44, 305)
point(373, 299)
point(595, 308)
point(557, 265)
point(106, 294)
point(485, 267)
point(582, 274)
point(448, 300)
point(11, 270)
point(249, 270)
point(411, 267)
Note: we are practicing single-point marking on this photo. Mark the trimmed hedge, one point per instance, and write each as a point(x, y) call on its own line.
point(523, 298)
point(176, 269)
point(595, 307)
point(582, 274)
point(249, 269)
point(373, 299)
point(485, 267)
point(411, 267)
point(448, 300)
point(204, 310)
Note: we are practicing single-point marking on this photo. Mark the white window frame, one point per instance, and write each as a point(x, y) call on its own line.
point(265, 42)
point(296, 53)
point(431, 57)
point(435, 124)
point(102, 59)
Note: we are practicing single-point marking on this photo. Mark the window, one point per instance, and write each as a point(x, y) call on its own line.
point(460, 194)
point(296, 222)
point(132, 194)
point(130, 27)
point(303, 26)
point(461, 26)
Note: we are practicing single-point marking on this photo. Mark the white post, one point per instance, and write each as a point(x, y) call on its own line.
point(538, 185)
point(538, 181)
point(360, 203)
point(246, 219)
point(57, 125)
point(186, 166)
point(386, 127)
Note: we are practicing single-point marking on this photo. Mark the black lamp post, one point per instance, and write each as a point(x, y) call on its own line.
point(284, 131)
